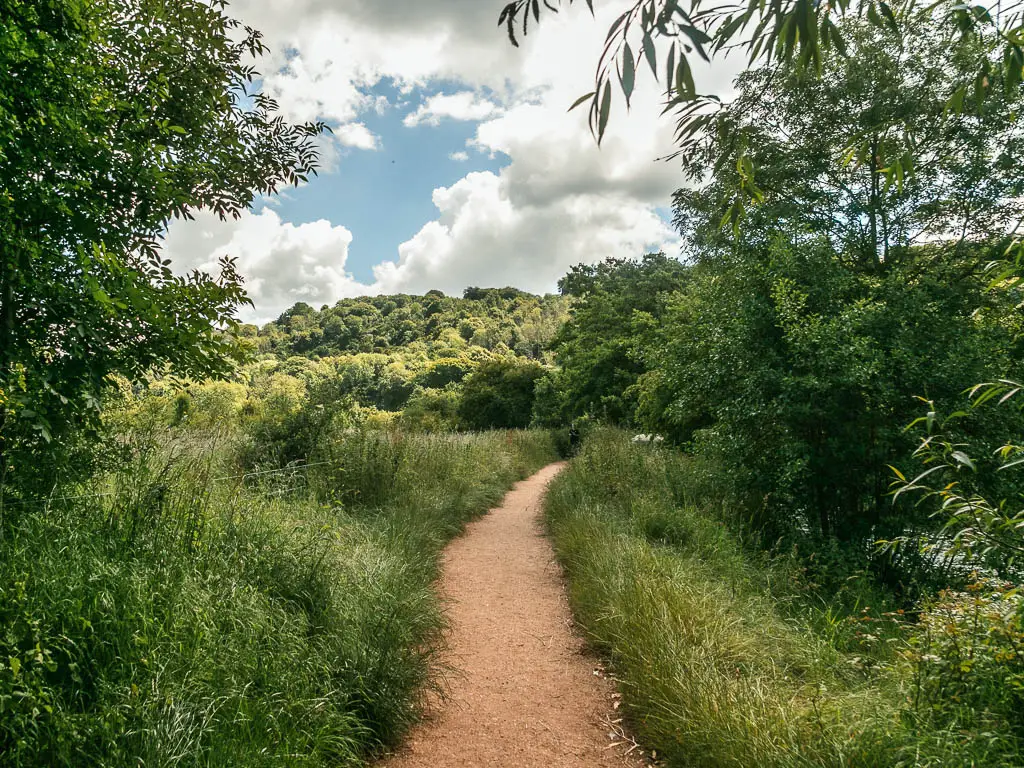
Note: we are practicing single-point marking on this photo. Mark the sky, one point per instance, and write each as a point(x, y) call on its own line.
point(453, 159)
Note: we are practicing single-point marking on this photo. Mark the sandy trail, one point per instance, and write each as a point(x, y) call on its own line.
point(524, 695)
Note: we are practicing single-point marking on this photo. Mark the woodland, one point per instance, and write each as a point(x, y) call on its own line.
point(218, 541)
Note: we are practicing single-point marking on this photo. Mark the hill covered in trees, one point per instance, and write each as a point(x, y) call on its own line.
point(425, 363)
point(502, 321)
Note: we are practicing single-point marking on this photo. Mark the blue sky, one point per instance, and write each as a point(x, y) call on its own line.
point(384, 196)
point(392, 211)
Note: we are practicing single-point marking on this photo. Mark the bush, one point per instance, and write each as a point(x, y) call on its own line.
point(499, 395)
point(725, 658)
point(966, 659)
point(432, 410)
point(797, 374)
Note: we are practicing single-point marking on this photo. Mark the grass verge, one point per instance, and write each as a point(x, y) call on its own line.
point(286, 619)
point(721, 660)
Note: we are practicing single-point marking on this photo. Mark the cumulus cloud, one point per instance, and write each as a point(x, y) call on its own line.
point(465, 105)
point(560, 200)
point(363, 41)
point(483, 238)
point(282, 263)
point(357, 135)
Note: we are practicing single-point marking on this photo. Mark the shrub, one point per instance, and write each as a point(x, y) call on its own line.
point(499, 395)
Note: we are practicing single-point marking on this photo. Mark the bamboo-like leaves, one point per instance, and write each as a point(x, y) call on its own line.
point(605, 113)
point(800, 31)
point(628, 76)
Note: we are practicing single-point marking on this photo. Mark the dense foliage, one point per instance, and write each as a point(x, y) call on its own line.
point(801, 374)
point(500, 394)
point(430, 363)
point(109, 127)
point(596, 349)
point(199, 601)
point(818, 144)
point(499, 320)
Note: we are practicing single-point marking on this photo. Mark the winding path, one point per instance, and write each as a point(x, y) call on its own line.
point(523, 694)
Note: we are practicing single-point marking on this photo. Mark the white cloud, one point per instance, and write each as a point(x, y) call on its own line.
point(483, 238)
point(357, 135)
point(465, 105)
point(282, 263)
point(561, 200)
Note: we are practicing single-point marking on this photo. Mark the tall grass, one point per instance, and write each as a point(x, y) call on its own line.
point(721, 659)
point(177, 614)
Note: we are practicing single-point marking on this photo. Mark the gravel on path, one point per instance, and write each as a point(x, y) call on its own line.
point(523, 693)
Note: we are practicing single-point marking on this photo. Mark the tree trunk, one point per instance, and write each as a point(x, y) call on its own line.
point(873, 205)
point(8, 275)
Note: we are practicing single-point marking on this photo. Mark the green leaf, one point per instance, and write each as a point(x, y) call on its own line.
point(963, 459)
point(605, 113)
point(584, 98)
point(670, 69)
point(628, 73)
point(889, 16)
point(651, 53)
point(685, 87)
point(955, 103)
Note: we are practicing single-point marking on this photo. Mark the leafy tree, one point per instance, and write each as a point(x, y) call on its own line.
point(794, 352)
point(499, 395)
point(595, 348)
point(432, 410)
point(796, 374)
point(966, 188)
point(445, 371)
point(491, 319)
point(116, 116)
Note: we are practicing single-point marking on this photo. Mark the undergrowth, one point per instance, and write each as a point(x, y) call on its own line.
point(181, 612)
point(727, 657)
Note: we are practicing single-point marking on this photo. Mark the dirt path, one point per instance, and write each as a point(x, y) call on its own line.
point(524, 695)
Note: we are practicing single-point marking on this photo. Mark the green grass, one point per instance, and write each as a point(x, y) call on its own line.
point(282, 620)
point(723, 656)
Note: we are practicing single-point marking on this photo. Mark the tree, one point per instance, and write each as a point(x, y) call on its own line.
point(796, 373)
point(115, 117)
point(966, 188)
point(796, 348)
point(499, 395)
point(596, 347)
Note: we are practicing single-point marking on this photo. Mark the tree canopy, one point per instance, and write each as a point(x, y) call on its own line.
point(499, 320)
point(966, 186)
point(115, 117)
point(596, 348)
